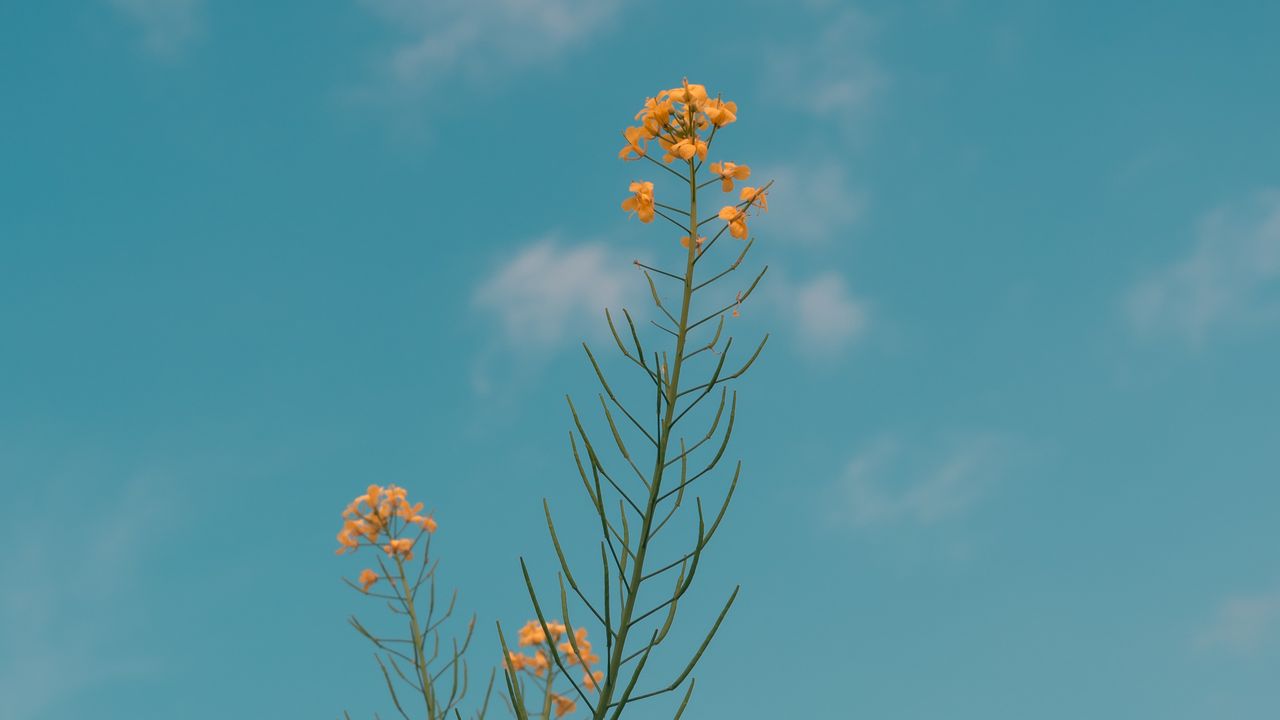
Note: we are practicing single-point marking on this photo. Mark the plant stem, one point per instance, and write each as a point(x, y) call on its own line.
point(655, 485)
point(419, 654)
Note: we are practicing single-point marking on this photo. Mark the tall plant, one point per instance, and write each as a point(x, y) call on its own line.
point(382, 518)
point(660, 457)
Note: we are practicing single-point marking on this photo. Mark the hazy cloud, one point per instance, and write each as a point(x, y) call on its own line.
point(66, 614)
point(812, 203)
point(832, 75)
point(168, 26)
point(545, 290)
point(1243, 623)
point(482, 39)
point(1231, 276)
point(821, 311)
point(891, 483)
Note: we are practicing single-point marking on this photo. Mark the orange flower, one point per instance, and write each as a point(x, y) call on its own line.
point(370, 528)
point(400, 546)
point(720, 113)
point(684, 148)
point(684, 242)
point(641, 202)
point(592, 679)
point(584, 647)
point(516, 661)
point(737, 220)
point(754, 196)
point(656, 112)
point(636, 136)
point(691, 95)
point(347, 539)
point(531, 634)
point(368, 578)
point(729, 172)
point(539, 663)
point(427, 522)
point(406, 511)
point(564, 705)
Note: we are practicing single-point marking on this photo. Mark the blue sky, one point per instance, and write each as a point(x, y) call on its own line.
point(1011, 451)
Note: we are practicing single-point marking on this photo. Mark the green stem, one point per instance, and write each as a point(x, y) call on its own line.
point(546, 700)
point(655, 486)
point(419, 654)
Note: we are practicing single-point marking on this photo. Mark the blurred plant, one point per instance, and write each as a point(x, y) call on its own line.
point(383, 518)
point(676, 119)
point(538, 666)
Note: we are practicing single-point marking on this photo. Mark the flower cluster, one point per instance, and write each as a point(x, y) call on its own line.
point(382, 513)
point(675, 118)
point(539, 663)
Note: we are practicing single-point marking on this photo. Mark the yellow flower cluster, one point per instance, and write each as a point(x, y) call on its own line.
point(675, 118)
point(370, 518)
point(532, 634)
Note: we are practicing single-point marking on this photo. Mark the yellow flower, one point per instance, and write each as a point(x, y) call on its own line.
point(539, 663)
point(584, 647)
point(656, 112)
point(688, 94)
point(684, 242)
point(400, 546)
point(641, 202)
point(755, 196)
point(564, 705)
point(368, 578)
point(636, 137)
point(347, 542)
point(370, 528)
point(737, 220)
point(720, 113)
point(729, 172)
point(684, 148)
point(516, 661)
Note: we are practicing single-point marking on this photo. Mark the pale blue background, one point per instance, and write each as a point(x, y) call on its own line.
point(1011, 453)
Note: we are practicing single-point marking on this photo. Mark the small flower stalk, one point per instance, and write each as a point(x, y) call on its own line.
point(538, 668)
point(383, 520)
point(638, 468)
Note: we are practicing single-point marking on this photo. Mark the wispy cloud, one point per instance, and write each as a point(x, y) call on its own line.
point(834, 75)
point(1231, 276)
point(891, 483)
point(168, 26)
point(69, 607)
point(475, 40)
point(814, 203)
point(1243, 623)
point(548, 289)
point(821, 311)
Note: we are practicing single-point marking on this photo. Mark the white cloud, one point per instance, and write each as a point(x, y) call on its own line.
point(810, 203)
point(168, 26)
point(822, 312)
point(545, 290)
point(479, 39)
point(1243, 623)
point(888, 485)
point(1229, 277)
point(833, 75)
point(69, 604)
